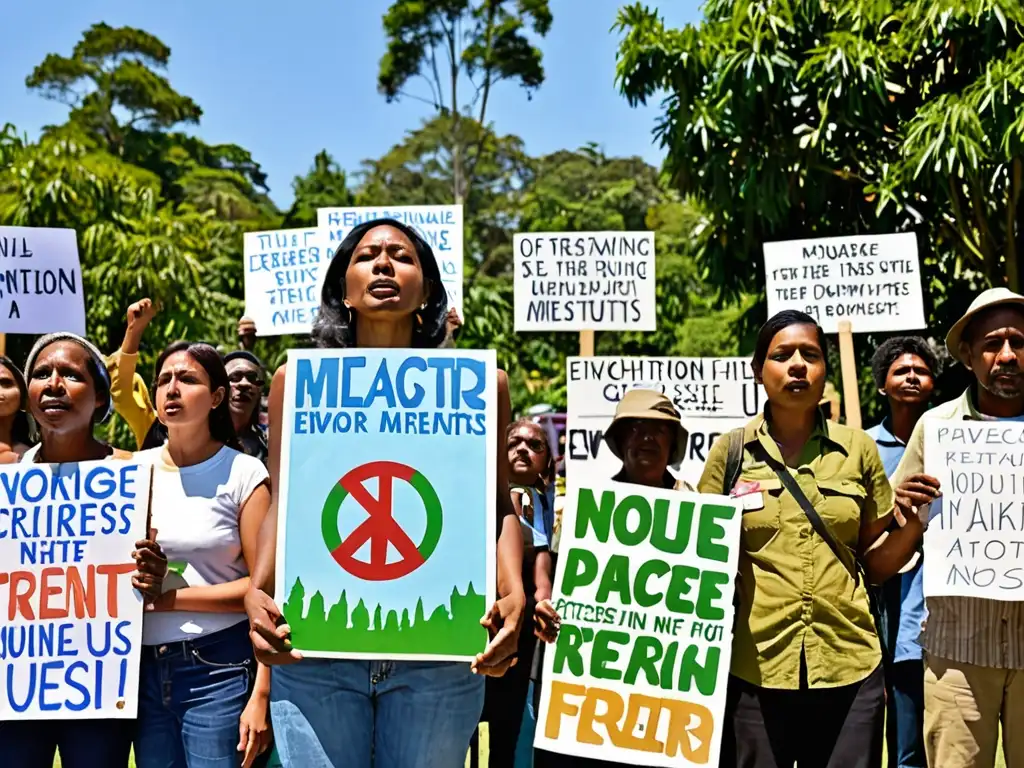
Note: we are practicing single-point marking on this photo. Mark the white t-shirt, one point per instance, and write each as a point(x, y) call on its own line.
point(195, 512)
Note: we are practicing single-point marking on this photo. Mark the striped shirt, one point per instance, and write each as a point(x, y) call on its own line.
point(969, 630)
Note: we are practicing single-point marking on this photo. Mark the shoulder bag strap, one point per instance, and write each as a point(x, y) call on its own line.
point(845, 556)
point(733, 461)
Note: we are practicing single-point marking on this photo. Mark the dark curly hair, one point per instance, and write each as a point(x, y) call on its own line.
point(893, 349)
point(222, 429)
point(335, 324)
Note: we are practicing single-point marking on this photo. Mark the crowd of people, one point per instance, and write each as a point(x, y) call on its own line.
point(835, 648)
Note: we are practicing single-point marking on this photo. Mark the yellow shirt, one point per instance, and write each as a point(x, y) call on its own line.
point(131, 404)
point(794, 594)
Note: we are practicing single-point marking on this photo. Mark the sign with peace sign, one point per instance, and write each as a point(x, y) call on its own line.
point(387, 527)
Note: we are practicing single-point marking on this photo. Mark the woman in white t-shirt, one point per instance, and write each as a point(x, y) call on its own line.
point(203, 700)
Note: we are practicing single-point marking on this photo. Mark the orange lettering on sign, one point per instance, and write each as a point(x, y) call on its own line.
point(690, 725)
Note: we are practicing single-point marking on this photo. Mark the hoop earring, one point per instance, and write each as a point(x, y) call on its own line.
point(419, 318)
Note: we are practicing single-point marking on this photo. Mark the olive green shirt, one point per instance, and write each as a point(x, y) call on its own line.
point(793, 593)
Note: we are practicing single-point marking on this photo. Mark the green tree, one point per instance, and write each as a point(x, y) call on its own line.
point(796, 119)
point(441, 41)
point(360, 617)
point(118, 97)
point(377, 621)
point(323, 187)
point(296, 600)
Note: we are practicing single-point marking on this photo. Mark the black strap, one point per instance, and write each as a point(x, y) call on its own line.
point(843, 553)
point(733, 461)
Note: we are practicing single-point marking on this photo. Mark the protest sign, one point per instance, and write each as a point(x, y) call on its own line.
point(974, 543)
point(282, 280)
point(713, 396)
point(439, 225)
point(386, 530)
point(72, 622)
point(874, 281)
point(584, 281)
point(645, 590)
point(40, 281)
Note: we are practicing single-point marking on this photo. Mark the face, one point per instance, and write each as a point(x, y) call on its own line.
point(527, 453)
point(246, 381)
point(793, 372)
point(10, 395)
point(61, 392)
point(646, 447)
point(385, 275)
point(909, 380)
point(995, 352)
point(183, 395)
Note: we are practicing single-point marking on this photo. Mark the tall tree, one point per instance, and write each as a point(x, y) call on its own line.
point(323, 187)
point(441, 41)
point(118, 97)
point(796, 119)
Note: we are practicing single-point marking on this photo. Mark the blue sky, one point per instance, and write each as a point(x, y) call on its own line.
point(286, 80)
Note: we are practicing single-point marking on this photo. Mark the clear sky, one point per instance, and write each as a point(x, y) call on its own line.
point(287, 79)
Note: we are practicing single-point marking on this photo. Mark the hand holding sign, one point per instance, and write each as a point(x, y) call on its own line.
point(915, 492)
point(271, 637)
point(151, 563)
point(503, 623)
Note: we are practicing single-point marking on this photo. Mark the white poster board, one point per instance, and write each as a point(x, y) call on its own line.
point(713, 395)
point(584, 281)
point(282, 280)
point(440, 225)
point(644, 587)
point(874, 281)
point(974, 546)
point(41, 287)
point(67, 533)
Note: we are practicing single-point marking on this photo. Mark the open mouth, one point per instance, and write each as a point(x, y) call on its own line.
point(383, 288)
point(798, 386)
point(172, 408)
point(55, 406)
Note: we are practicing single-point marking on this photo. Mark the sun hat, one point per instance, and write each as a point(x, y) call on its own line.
point(990, 299)
point(648, 405)
point(94, 353)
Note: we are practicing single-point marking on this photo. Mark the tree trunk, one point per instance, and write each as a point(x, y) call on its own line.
point(1012, 231)
point(458, 158)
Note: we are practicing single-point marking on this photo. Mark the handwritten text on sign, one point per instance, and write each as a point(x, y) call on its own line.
point(282, 280)
point(874, 281)
point(439, 225)
point(585, 281)
point(645, 591)
point(40, 281)
point(974, 544)
point(713, 395)
point(72, 622)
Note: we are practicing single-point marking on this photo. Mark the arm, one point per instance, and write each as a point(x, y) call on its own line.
point(269, 633)
point(883, 551)
point(504, 619)
point(128, 391)
point(228, 597)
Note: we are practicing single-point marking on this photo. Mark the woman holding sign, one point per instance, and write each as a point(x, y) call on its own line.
point(815, 499)
point(202, 703)
point(383, 289)
point(68, 394)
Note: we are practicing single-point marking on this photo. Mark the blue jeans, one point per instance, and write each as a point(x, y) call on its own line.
point(905, 715)
point(82, 743)
point(387, 714)
point(190, 700)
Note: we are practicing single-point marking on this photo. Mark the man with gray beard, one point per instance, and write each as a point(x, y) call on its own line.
point(974, 647)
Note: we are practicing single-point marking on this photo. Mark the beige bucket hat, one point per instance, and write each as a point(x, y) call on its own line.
point(993, 297)
point(646, 404)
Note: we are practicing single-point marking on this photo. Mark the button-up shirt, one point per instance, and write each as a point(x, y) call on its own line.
point(969, 630)
point(795, 597)
point(903, 594)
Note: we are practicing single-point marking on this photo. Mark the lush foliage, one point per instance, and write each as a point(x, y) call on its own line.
point(800, 118)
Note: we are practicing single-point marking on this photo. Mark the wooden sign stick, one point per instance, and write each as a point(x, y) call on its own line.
point(586, 343)
point(848, 369)
point(3, 343)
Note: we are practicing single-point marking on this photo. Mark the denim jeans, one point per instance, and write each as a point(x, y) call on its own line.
point(387, 714)
point(905, 715)
point(82, 743)
point(191, 698)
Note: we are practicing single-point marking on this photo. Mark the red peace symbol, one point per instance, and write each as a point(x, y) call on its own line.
point(380, 528)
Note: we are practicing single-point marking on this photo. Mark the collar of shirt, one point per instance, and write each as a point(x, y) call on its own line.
point(882, 434)
point(757, 431)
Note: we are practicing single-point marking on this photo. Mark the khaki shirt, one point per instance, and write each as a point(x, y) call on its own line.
point(794, 594)
point(969, 630)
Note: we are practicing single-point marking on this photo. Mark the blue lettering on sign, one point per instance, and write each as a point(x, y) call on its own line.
point(458, 384)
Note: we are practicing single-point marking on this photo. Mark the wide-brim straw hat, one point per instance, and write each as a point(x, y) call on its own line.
point(990, 299)
point(650, 405)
